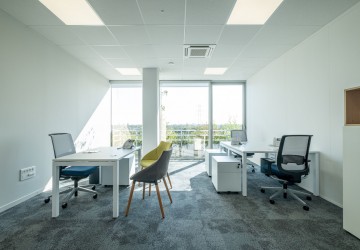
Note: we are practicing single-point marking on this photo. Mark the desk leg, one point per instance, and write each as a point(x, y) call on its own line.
point(316, 174)
point(244, 175)
point(55, 190)
point(116, 189)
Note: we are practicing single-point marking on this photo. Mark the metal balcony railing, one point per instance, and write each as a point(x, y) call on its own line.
point(187, 143)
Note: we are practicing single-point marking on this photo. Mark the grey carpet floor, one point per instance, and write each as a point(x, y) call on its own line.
point(199, 218)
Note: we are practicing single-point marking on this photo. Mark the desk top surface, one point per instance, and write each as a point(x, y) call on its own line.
point(250, 147)
point(253, 148)
point(98, 154)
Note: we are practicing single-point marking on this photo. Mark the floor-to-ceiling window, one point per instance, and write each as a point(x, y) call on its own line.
point(227, 111)
point(193, 115)
point(184, 118)
point(126, 113)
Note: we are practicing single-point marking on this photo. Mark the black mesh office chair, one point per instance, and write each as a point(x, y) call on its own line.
point(63, 144)
point(292, 164)
point(152, 175)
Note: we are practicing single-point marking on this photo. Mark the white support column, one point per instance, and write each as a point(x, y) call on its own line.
point(150, 104)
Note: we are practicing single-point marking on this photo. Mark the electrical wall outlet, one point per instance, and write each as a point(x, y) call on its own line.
point(27, 173)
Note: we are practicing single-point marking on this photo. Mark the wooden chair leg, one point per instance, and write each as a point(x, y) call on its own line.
point(144, 184)
point(167, 189)
point(130, 198)
point(149, 189)
point(169, 180)
point(159, 198)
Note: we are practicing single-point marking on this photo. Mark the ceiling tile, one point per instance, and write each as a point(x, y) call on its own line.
point(196, 62)
point(208, 11)
point(95, 35)
point(201, 34)
point(169, 51)
point(166, 34)
point(162, 11)
point(110, 51)
point(130, 35)
point(238, 34)
point(165, 62)
point(148, 62)
point(226, 51)
point(117, 12)
point(121, 63)
point(220, 63)
point(140, 51)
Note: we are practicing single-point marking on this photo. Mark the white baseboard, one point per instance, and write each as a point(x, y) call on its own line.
point(20, 200)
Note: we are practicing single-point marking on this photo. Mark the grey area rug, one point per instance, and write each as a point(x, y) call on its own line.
point(199, 218)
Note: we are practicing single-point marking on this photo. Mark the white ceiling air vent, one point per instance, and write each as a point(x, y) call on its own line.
point(198, 51)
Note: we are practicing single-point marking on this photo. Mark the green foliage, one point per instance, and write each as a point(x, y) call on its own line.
point(179, 134)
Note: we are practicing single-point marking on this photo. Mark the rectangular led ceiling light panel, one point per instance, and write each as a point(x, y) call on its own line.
point(215, 71)
point(253, 12)
point(129, 71)
point(73, 12)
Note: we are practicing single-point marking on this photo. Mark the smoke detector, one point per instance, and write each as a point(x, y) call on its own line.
point(198, 51)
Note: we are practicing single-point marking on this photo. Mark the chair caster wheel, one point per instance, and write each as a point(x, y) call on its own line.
point(95, 196)
point(76, 193)
point(272, 201)
point(262, 190)
point(306, 208)
point(285, 195)
point(64, 205)
point(253, 170)
point(308, 198)
point(47, 200)
point(93, 188)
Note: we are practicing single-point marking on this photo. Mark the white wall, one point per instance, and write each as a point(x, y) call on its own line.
point(42, 90)
point(302, 92)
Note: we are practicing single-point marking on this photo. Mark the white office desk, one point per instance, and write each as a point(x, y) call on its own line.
point(310, 183)
point(104, 157)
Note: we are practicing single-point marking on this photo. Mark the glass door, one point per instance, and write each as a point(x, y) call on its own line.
point(228, 107)
point(184, 119)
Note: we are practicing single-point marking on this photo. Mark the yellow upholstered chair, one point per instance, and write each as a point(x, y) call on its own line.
point(151, 157)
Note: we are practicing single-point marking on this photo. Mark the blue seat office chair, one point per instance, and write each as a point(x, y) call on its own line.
point(292, 164)
point(152, 175)
point(240, 137)
point(63, 144)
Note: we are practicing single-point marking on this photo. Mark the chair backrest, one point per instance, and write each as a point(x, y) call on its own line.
point(163, 163)
point(155, 171)
point(63, 144)
point(164, 145)
point(293, 154)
